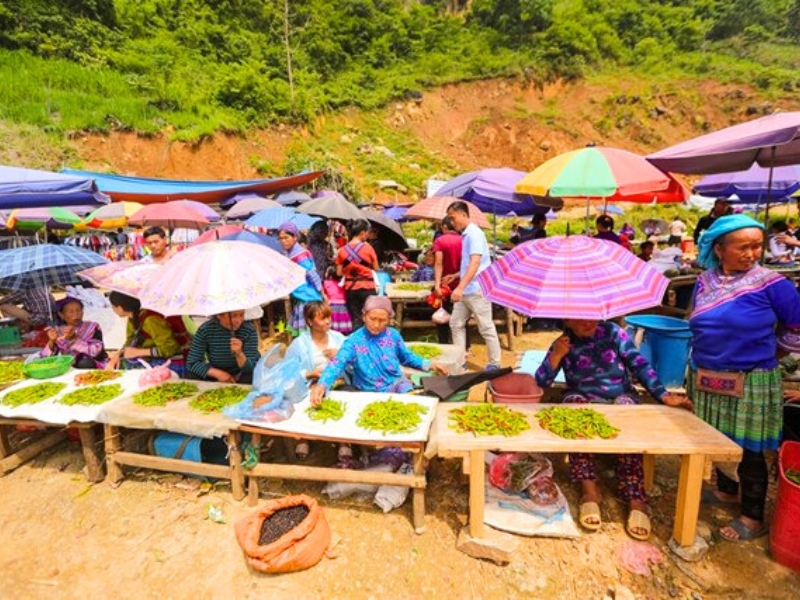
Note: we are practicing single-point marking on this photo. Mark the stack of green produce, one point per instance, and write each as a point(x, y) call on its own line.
point(391, 416)
point(413, 287)
point(426, 351)
point(91, 396)
point(487, 419)
point(33, 394)
point(218, 398)
point(576, 423)
point(327, 410)
point(11, 371)
point(96, 377)
point(164, 393)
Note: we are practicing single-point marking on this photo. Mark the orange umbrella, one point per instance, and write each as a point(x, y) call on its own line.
point(435, 208)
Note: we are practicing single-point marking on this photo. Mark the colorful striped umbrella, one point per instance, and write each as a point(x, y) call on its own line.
point(112, 216)
point(603, 173)
point(573, 277)
point(435, 208)
point(54, 217)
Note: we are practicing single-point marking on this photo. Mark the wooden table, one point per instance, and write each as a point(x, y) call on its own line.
point(647, 429)
point(415, 480)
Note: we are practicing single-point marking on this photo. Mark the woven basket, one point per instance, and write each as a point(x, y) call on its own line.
point(46, 368)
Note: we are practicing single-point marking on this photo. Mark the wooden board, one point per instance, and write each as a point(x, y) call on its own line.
point(648, 429)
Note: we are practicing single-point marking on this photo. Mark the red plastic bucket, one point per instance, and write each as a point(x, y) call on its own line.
point(784, 534)
point(515, 387)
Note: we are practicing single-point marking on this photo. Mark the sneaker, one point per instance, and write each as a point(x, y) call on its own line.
point(492, 367)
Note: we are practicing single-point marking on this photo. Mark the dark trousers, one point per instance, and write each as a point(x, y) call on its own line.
point(753, 479)
point(355, 299)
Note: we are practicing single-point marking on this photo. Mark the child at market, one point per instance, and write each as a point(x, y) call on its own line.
point(424, 271)
point(597, 358)
point(340, 317)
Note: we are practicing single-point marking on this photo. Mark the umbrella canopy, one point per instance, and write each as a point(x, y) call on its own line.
point(269, 218)
point(211, 279)
point(53, 217)
point(249, 206)
point(127, 277)
point(769, 141)
point(752, 185)
point(2, 221)
point(30, 188)
point(255, 238)
point(169, 215)
point(292, 198)
point(572, 277)
point(654, 226)
point(609, 209)
point(44, 265)
point(112, 216)
point(494, 191)
point(204, 209)
point(217, 233)
point(331, 207)
point(603, 173)
point(435, 208)
point(390, 232)
point(397, 212)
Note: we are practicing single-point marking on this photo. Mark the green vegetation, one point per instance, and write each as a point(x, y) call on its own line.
point(202, 66)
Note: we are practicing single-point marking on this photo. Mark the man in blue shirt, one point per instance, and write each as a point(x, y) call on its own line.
point(467, 296)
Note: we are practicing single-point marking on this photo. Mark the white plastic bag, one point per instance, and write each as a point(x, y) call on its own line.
point(389, 497)
point(441, 317)
point(336, 490)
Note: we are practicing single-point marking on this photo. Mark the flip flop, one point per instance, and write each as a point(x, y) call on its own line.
point(302, 450)
point(744, 533)
point(709, 498)
point(638, 520)
point(590, 510)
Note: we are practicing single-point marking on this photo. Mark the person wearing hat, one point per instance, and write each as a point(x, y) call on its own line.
point(720, 209)
point(311, 290)
point(735, 380)
point(82, 339)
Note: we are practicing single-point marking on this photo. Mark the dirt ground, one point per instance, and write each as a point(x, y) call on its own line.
point(151, 537)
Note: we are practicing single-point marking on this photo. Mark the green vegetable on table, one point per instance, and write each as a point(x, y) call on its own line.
point(487, 419)
point(426, 351)
point(576, 423)
point(33, 394)
point(327, 410)
point(91, 396)
point(218, 398)
point(11, 371)
point(391, 416)
point(164, 393)
point(793, 475)
point(96, 377)
point(413, 287)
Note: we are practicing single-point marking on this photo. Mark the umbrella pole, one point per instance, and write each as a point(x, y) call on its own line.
point(494, 230)
point(769, 197)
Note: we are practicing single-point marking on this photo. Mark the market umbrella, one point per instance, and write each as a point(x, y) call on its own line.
point(127, 277)
point(220, 277)
point(228, 202)
point(397, 212)
point(574, 277)
point(217, 233)
point(204, 209)
point(255, 238)
point(269, 218)
point(435, 208)
point(609, 209)
point(389, 231)
point(250, 206)
point(331, 207)
point(753, 185)
point(292, 198)
point(112, 216)
point(169, 215)
point(52, 217)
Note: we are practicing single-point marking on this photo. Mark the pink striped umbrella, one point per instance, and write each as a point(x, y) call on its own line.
point(573, 277)
point(435, 208)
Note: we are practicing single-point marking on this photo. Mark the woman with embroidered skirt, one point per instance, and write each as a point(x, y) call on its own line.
point(735, 381)
point(312, 289)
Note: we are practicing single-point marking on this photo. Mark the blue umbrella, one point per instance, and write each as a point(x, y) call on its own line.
point(255, 238)
point(304, 221)
point(270, 218)
point(44, 265)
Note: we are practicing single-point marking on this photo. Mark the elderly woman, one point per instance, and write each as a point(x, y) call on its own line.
point(598, 359)
point(224, 349)
point(82, 339)
point(311, 290)
point(735, 380)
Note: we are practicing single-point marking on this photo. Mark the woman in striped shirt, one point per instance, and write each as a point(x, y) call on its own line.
point(224, 349)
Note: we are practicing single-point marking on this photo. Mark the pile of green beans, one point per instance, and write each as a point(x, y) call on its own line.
point(426, 351)
point(391, 416)
point(327, 410)
point(91, 396)
point(487, 419)
point(413, 287)
point(576, 423)
point(33, 394)
point(11, 371)
point(218, 398)
point(164, 393)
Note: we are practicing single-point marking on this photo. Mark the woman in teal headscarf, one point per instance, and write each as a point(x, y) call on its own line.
point(735, 382)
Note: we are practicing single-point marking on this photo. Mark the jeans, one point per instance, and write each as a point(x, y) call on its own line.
point(355, 300)
point(753, 480)
point(481, 309)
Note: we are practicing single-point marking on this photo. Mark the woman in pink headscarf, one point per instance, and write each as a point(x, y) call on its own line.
point(311, 290)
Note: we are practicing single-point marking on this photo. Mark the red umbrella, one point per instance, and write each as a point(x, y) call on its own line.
point(435, 208)
point(169, 215)
point(217, 234)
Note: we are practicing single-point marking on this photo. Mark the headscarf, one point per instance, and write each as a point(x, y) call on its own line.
point(379, 302)
point(706, 257)
point(289, 228)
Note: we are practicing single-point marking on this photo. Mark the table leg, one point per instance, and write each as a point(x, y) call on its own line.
point(235, 462)
point(418, 509)
point(649, 465)
point(114, 474)
point(252, 482)
point(94, 465)
point(477, 492)
point(510, 328)
point(398, 314)
point(5, 445)
point(270, 320)
point(690, 483)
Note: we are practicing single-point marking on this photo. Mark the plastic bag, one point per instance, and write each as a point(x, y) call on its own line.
point(336, 490)
point(441, 316)
point(514, 472)
point(389, 497)
point(154, 375)
point(637, 557)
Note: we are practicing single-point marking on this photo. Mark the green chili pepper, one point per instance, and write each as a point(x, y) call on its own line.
point(426, 351)
point(11, 371)
point(33, 394)
point(391, 416)
point(576, 423)
point(164, 393)
point(92, 395)
point(218, 398)
point(487, 419)
point(327, 410)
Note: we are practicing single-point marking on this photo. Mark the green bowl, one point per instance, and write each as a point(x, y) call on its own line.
point(46, 368)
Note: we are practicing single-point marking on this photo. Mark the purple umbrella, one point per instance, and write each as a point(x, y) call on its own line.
point(204, 209)
point(770, 141)
point(752, 185)
point(292, 197)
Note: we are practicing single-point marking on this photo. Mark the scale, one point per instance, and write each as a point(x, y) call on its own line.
point(9, 332)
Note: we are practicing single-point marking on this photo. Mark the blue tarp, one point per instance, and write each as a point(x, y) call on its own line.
point(148, 190)
point(31, 188)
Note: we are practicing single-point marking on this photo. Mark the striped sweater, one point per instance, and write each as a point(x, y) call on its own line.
point(211, 347)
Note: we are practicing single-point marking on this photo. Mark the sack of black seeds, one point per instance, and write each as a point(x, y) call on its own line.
point(284, 535)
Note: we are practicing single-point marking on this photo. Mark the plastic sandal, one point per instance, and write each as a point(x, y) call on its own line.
point(590, 510)
point(743, 532)
point(302, 450)
point(638, 520)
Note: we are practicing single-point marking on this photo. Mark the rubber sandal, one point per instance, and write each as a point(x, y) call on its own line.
point(302, 450)
point(744, 533)
point(590, 510)
point(638, 520)
point(345, 451)
point(709, 498)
